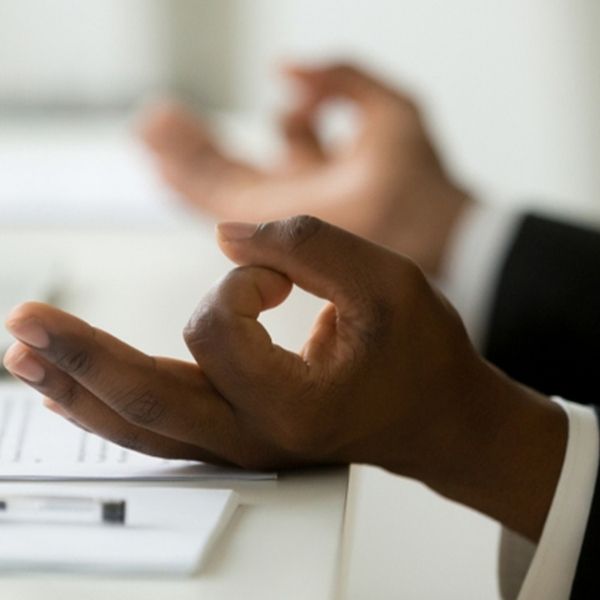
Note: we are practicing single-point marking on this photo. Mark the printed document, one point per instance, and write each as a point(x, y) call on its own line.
point(36, 444)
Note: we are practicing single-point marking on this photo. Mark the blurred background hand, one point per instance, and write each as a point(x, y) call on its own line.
point(387, 183)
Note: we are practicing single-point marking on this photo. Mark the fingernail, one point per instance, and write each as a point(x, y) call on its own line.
point(236, 231)
point(20, 363)
point(30, 332)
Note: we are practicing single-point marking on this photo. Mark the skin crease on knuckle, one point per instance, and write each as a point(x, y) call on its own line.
point(293, 232)
point(71, 353)
point(65, 396)
point(139, 403)
point(206, 326)
point(406, 285)
point(76, 362)
point(376, 325)
point(143, 408)
point(373, 308)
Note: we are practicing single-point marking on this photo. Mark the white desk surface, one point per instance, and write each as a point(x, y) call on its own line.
point(285, 540)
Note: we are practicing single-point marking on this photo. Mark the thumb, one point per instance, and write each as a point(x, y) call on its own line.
point(322, 259)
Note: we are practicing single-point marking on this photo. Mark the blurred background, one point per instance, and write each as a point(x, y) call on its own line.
point(512, 90)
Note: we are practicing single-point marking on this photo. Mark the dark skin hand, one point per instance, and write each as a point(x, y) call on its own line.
point(387, 184)
point(387, 377)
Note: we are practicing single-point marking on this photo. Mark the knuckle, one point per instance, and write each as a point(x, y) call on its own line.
point(294, 232)
point(414, 282)
point(142, 408)
point(204, 329)
point(191, 329)
point(379, 316)
point(66, 396)
point(77, 362)
point(399, 299)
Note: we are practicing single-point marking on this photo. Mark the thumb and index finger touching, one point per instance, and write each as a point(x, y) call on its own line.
point(224, 334)
point(339, 81)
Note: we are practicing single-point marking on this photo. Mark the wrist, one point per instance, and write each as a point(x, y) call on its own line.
point(438, 207)
point(447, 205)
point(506, 453)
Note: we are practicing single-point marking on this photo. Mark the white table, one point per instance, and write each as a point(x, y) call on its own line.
point(285, 540)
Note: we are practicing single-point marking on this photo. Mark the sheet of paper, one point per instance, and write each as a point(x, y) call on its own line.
point(168, 531)
point(36, 444)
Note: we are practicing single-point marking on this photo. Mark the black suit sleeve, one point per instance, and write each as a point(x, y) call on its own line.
point(544, 330)
point(544, 325)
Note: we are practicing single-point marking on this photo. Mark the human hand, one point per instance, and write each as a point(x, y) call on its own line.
point(387, 184)
point(387, 377)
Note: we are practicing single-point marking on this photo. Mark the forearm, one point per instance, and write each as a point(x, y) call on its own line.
point(512, 450)
point(501, 453)
point(425, 234)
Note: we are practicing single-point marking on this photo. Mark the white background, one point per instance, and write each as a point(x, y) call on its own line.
point(512, 87)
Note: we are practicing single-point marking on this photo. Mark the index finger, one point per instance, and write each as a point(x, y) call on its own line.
point(179, 403)
point(229, 342)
